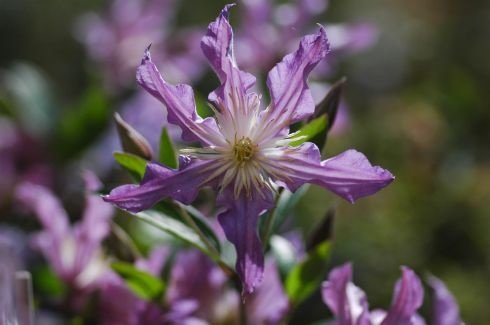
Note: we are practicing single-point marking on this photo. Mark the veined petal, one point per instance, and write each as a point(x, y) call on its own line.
point(161, 182)
point(180, 103)
point(349, 175)
point(347, 302)
point(230, 98)
point(287, 81)
point(47, 208)
point(408, 297)
point(445, 308)
point(239, 223)
point(217, 46)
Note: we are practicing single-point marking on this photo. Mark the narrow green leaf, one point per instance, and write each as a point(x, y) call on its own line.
point(134, 164)
point(168, 155)
point(310, 130)
point(203, 224)
point(174, 228)
point(307, 276)
point(143, 284)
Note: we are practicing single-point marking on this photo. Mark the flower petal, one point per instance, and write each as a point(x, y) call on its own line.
point(408, 297)
point(346, 301)
point(161, 182)
point(47, 208)
point(94, 227)
point(239, 222)
point(445, 307)
point(217, 46)
point(180, 103)
point(291, 98)
point(349, 175)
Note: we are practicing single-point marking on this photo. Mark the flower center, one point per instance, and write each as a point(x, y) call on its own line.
point(244, 150)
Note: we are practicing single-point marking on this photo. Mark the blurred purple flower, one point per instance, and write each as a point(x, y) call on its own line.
point(216, 302)
point(114, 41)
point(245, 149)
point(445, 308)
point(269, 29)
point(349, 304)
point(74, 253)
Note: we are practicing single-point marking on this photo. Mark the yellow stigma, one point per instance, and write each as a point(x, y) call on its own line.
point(244, 150)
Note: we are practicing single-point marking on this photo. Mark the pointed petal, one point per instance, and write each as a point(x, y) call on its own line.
point(349, 175)
point(408, 297)
point(180, 103)
point(230, 99)
point(95, 224)
point(287, 81)
point(239, 222)
point(47, 208)
point(161, 182)
point(445, 307)
point(346, 301)
point(269, 303)
point(217, 46)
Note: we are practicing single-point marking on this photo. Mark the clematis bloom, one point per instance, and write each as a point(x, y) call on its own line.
point(245, 151)
point(349, 304)
point(75, 252)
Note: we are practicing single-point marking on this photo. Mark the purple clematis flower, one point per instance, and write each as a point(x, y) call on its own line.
point(245, 152)
point(271, 29)
point(73, 253)
point(215, 301)
point(349, 304)
point(111, 40)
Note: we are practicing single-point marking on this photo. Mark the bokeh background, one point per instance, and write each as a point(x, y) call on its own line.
point(419, 106)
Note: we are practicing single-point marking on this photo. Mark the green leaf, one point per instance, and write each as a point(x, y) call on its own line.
point(202, 106)
point(175, 228)
point(134, 164)
point(46, 282)
point(168, 155)
point(202, 223)
point(307, 276)
point(171, 209)
point(143, 284)
point(310, 130)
